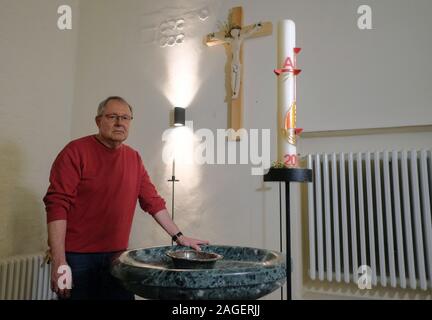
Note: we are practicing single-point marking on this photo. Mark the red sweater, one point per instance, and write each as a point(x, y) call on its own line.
point(96, 189)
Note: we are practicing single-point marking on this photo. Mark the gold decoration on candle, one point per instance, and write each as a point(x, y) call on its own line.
point(288, 131)
point(290, 118)
point(292, 139)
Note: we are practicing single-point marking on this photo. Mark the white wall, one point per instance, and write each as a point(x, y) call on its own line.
point(37, 66)
point(351, 79)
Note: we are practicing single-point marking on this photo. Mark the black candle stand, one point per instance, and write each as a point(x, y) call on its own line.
point(288, 175)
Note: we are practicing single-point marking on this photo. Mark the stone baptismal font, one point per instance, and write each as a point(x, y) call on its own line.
point(218, 272)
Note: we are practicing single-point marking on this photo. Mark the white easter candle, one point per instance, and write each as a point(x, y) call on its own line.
point(286, 93)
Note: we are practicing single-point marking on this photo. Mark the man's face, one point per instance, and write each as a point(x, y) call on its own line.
point(114, 123)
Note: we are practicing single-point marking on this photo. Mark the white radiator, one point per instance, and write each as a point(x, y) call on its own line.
point(25, 278)
point(371, 209)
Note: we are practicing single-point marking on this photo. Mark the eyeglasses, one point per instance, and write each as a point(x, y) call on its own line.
point(115, 117)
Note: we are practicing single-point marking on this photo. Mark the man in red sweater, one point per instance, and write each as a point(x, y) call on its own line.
point(95, 183)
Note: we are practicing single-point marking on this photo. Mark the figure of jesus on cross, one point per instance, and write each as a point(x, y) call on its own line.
point(233, 37)
point(235, 40)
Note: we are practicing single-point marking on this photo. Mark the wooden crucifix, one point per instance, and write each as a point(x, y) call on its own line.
point(232, 37)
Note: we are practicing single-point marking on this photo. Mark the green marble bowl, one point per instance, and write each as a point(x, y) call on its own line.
point(243, 273)
point(191, 259)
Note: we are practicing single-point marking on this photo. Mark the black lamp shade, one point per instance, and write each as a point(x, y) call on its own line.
point(179, 116)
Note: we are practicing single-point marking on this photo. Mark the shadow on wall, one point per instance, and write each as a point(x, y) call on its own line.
point(22, 217)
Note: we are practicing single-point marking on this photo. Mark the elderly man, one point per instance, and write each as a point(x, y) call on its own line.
point(95, 183)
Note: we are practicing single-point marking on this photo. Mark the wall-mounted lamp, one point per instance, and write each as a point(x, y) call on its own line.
point(179, 117)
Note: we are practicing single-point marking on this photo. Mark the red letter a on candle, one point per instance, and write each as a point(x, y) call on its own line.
point(288, 64)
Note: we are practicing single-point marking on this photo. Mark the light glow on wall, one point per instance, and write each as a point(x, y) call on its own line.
point(179, 145)
point(182, 75)
point(181, 86)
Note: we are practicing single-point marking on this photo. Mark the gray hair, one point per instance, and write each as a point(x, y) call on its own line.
point(104, 103)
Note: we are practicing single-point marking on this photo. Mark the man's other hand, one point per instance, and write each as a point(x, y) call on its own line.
point(190, 242)
point(61, 279)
